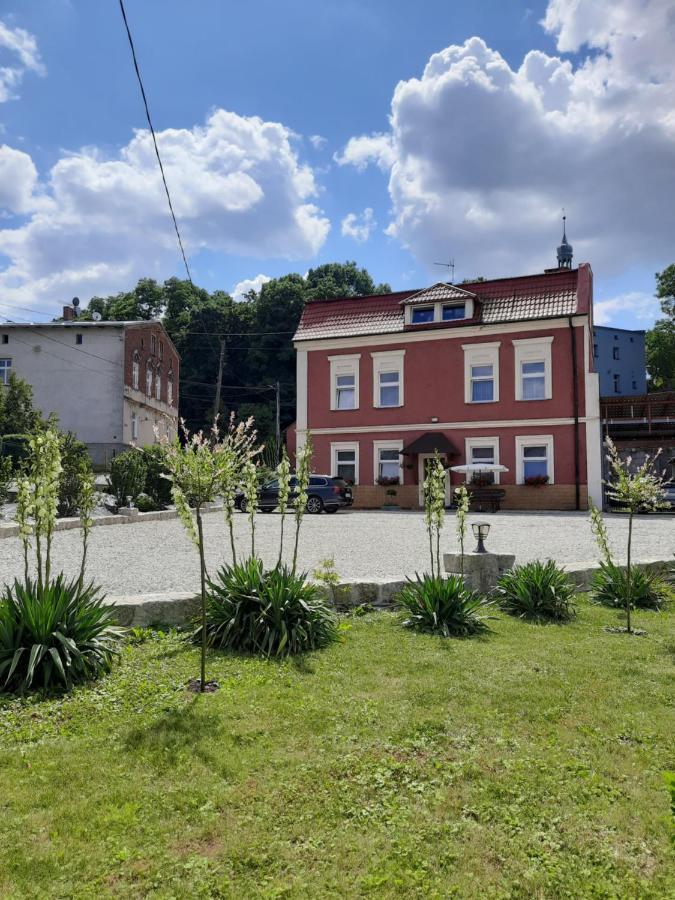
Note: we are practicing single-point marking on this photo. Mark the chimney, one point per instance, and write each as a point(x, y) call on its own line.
point(68, 313)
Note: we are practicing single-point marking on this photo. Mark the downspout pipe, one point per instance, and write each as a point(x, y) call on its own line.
point(575, 413)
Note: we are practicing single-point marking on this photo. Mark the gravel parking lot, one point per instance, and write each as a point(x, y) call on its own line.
point(157, 556)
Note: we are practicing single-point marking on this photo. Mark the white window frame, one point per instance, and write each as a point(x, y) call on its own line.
point(437, 306)
point(533, 350)
point(158, 384)
point(135, 373)
point(344, 365)
point(423, 306)
point(387, 361)
point(134, 426)
point(5, 369)
point(486, 354)
point(344, 445)
point(148, 381)
point(386, 445)
point(534, 440)
point(169, 389)
point(471, 442)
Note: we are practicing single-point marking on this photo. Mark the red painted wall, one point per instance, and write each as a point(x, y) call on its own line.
point(563, 439)
point(434, 383)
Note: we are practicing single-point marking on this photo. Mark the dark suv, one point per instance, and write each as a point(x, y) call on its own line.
point(323, 493)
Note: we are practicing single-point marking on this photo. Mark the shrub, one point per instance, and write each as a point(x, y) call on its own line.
point(5, 478)
point(156, 486)
point(146, 504)
point(54, 634)
point(273, 613)
point(127, 476)
point(648, 590)
point(536, 590)
point(74, 457)
point(443, 606)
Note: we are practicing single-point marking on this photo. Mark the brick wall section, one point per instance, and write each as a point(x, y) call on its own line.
point(138, 338)
point(549, 496)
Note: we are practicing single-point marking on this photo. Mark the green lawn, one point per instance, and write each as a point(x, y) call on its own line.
point(527, 764)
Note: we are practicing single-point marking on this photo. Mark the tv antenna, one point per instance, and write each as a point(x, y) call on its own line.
point(448, 265)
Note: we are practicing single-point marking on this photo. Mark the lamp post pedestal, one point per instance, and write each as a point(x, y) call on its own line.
point(481, 570)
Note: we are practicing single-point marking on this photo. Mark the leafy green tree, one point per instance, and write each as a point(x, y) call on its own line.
point(660, 352)
point(146, 301)
point(341, 280)
point(17, 414)
point(665, 290)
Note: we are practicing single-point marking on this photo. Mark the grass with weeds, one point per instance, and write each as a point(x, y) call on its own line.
point(528, 764)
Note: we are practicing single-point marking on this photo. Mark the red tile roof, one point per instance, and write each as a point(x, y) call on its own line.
point(556, 293)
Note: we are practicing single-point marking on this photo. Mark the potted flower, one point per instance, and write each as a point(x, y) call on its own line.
point(536, 480)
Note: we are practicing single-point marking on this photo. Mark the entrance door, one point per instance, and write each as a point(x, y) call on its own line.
point(423, 461)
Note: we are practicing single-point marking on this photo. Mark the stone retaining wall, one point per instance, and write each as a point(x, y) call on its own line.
point(67, 524)
point(179, 609)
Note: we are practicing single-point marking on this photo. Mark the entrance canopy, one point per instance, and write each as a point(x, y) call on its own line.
point(430, 442)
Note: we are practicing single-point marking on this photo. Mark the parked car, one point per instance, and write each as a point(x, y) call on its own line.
point(324, 493)
point(669, 493)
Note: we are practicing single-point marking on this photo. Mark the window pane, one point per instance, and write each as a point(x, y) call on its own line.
point(481, 371)
point(534, 388)
point(389, 455)
point(482, 454)
point(389, 470)
point(453, 312)
point(346, 456)
point(534, 452)
point(346, 471)
point(482, 391)
point(345, 381)
point(388, 377)
point(534, 467)
point(346, 398)
point(389, 396)
point(423, 315)
point(533, 368)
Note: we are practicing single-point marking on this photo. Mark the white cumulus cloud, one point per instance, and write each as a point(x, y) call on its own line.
point(642, 306)
point(481, 157)
point(20, 47)
point(360, 151)
point(237, 184)
point(249, 284)
point(359, 227)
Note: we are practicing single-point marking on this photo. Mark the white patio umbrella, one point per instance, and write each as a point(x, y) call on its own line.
point(478, 467)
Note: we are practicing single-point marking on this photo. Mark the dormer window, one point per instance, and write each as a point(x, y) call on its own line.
point(454, 311)
point(422, 314)
point(438, 304)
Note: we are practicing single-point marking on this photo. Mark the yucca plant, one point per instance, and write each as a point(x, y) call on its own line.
point(268, 613)
point(648, 589)
point(443, 606)
point(537, 591)
point(54, 634)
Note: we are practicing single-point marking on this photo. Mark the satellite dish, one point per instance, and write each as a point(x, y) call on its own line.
point(96, 316)
point(76, 301)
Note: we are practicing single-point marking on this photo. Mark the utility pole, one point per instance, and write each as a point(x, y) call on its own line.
point(221, 360)
point(278, 420)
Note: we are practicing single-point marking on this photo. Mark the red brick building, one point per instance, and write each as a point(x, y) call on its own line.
point(497, 371)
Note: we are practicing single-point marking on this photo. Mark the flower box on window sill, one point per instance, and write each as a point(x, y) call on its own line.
point(385, 481)
point(536, 480)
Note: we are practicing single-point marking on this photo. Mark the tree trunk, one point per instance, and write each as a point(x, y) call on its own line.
point(202, 573)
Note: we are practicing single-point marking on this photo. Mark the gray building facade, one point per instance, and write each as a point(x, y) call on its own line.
point(619, 356)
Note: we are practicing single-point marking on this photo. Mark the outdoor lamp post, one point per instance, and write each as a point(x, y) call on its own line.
point(480, 532)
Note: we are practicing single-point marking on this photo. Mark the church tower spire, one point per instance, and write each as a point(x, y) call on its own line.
point(564, 250)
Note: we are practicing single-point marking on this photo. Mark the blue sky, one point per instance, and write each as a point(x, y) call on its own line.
point(288, 142)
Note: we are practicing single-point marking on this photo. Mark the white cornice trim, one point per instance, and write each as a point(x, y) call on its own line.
point(523, 342)
point(439, 334)
point(445, 426)
point(484, 345)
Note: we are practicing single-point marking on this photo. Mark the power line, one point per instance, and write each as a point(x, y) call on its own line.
point(154, 138)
